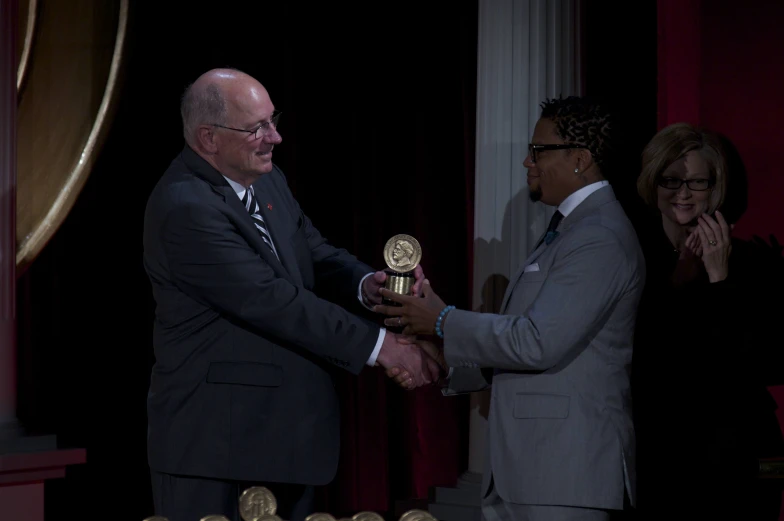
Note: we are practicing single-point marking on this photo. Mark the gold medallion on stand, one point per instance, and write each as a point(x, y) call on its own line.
point(402, 254)
point(417, 515)
point(256, 503)
point(367, 516)
point(214, 518)
point(319, 516)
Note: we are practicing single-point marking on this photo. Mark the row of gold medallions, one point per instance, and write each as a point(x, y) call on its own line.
point(259, 504)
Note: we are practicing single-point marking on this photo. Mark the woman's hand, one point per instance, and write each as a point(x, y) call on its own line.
point(716, 245)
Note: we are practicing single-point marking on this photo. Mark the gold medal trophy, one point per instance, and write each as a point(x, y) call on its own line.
point(402, 254)
point(259, 504)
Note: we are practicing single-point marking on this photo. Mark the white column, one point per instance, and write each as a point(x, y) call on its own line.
point(8, 35)
point(528, 51)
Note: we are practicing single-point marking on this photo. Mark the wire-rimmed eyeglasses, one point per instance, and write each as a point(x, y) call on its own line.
point(695, 185)
point(264, 129)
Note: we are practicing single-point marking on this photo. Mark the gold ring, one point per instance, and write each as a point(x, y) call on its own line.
point(712, 243)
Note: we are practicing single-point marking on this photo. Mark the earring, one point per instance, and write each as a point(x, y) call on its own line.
point(576, 171)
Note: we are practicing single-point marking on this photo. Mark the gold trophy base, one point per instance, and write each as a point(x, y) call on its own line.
point(400, 283)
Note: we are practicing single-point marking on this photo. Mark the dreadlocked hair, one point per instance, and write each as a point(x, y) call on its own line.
point(580, 121)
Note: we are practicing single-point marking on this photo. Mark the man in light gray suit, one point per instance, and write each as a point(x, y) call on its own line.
point(561, 440)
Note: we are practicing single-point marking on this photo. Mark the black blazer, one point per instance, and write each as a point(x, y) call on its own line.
point(244, 344)
point(703, 355)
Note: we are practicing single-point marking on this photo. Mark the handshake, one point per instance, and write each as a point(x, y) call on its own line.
point(411, 361)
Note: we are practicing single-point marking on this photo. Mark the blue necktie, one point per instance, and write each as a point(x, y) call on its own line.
point(551, 233)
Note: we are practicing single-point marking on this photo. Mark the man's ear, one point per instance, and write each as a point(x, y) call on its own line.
point(206, 139)
point(584, 159)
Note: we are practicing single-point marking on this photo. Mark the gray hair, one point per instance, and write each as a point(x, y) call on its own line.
point(201, 107)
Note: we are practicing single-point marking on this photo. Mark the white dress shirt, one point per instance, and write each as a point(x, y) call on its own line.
point(573, 201)
point(240, 191)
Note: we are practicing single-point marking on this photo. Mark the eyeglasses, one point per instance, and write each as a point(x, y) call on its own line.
point(533, 149)
point(696, 185)
point(266, 128)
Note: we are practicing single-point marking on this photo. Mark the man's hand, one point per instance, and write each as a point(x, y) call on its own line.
point(417, 315)
point(372, 285)
point(401, 352)
point(419, 279)
point(433, 352)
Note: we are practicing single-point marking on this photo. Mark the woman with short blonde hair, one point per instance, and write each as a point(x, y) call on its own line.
point(673, 143)
point(698, 400)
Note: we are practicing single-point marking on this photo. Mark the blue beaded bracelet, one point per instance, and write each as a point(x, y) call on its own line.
point(440, 319)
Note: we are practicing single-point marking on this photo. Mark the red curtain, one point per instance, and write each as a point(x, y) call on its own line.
point(720, 66)
point(397, 445)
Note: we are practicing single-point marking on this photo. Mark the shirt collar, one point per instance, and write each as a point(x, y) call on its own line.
point(573, 201)
point(238, 188)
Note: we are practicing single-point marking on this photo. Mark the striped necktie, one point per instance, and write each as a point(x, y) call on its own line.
point(252, 205)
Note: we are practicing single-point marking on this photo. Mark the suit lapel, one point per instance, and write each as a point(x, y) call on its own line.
point(277, 231)
point(204, 170)
point(516, 278)
point(251, 232)
point(601, 196)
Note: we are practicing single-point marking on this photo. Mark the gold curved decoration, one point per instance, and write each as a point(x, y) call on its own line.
point(30, 15)
point(71, 90)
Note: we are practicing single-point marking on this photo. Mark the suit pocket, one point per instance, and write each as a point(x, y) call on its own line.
point(244, 373)
point(530, 405)
point(299, 237)
point(533, 276)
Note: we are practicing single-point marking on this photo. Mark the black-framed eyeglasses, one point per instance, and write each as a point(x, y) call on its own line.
point(262, 130)
point(695, 185)
point(534, 149)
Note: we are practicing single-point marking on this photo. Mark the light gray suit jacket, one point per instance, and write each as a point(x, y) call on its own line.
point(560, 424)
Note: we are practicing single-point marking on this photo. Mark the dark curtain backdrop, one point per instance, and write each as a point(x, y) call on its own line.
point(378, 139)
point(620, 71)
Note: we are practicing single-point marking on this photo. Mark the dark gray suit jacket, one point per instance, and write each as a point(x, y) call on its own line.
point(244, 344)
point(560, 424)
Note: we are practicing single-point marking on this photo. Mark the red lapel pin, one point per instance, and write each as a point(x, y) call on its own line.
point(269, 206)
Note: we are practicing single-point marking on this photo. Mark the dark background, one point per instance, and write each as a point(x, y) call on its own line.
point(375, 101)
